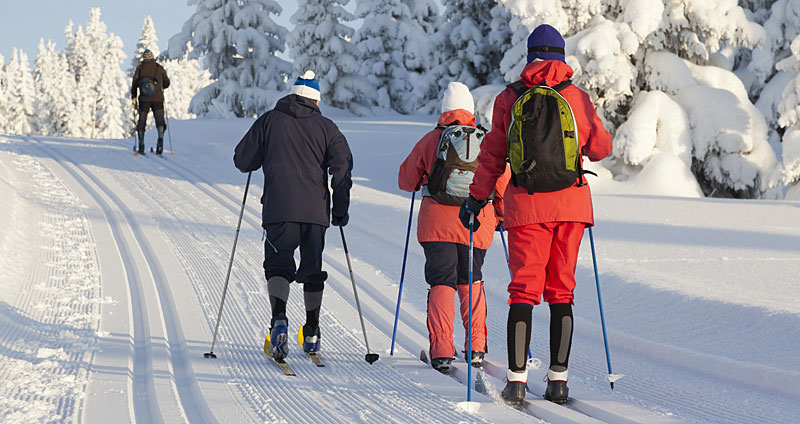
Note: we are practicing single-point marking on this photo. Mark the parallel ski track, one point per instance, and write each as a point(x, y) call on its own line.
point(145, 405)
point(385, 301)
point(247, 358)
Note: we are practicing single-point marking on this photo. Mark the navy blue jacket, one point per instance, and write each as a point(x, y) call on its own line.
point(296, 147)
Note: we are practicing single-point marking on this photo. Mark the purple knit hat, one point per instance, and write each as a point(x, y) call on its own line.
point(546, 43)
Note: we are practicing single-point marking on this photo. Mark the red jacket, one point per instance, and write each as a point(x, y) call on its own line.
point(437, 222)
point(570, 204)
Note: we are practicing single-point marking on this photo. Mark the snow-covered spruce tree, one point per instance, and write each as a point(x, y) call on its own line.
point(95, 58)
point(147, 41)
point(790, 121)
point(186, 80)
point(391, 41)
point(55, 88)
point(321, 42)
point(420, 56)
point(466, 50)
point(3, 96)
point(20, 94)
point(238, 41)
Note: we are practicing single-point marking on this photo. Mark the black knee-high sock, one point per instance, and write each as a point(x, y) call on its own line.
point(561, 326)
point(518, 335)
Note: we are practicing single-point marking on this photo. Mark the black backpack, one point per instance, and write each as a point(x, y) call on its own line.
point(543, 140)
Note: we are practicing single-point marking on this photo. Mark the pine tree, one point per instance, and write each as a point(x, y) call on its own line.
point(3, 95)
point(391, 41)
point(321, 42)
point(790, 117)
point(420, 56)
point(186, 80)
point(95, 58)
point(21, 93)
point(147, 41)
point(55, 88)
point(466, 51)
point(239, 41)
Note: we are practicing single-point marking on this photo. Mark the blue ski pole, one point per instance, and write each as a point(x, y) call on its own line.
point(469, 281)
point(402, 274)
point(510, 274)
point(611, 377)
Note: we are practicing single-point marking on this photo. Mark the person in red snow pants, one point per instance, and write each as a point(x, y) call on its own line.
point(446, 243)
point(544, 229)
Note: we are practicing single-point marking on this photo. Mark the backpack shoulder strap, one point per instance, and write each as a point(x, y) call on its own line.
point(562, 85)
point(519, 87)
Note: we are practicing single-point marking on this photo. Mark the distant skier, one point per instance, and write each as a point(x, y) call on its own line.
point(446, 244)
point(149, 80)
point(297, 147)
point(548, 206)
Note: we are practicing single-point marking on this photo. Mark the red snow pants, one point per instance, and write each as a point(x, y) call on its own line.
point(543, 258)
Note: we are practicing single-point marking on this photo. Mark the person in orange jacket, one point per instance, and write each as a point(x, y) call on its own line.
point(446, 243)
point(544, 228)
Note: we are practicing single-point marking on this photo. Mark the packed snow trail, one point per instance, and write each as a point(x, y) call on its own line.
point(145, 241)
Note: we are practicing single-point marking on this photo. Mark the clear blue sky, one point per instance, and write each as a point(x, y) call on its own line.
point(24, 22)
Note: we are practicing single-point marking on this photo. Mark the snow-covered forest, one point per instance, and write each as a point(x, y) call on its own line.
point(700, 88)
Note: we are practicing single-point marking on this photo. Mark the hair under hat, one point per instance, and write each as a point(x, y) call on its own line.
point(457, 96)
point(546, 43)
point(306, 86)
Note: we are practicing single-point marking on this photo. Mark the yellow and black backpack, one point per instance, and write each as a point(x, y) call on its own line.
point(543, 143)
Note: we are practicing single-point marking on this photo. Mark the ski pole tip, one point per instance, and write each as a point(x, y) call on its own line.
point(371, 358)
point(210, 355)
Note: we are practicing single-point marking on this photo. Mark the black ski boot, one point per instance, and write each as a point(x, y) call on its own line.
point(557, 392)
point(514, 392)
point(442, 364)
point(141, 142)
point(160, 146)
point(477, 358)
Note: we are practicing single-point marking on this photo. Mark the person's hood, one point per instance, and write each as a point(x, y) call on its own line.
point(548, 72)
point(456, 117)
point(297, 106)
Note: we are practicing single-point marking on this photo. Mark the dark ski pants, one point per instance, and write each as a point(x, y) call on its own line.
point(158, 114)
point(448, 263)
point(281, 241)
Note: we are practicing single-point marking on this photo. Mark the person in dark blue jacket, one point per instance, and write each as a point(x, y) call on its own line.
point(297, 147)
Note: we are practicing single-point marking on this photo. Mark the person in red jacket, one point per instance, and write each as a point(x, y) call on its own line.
point(544, 229)
point(446, 243)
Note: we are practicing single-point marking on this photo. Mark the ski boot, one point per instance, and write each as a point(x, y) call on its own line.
point(278, 337)
point(160, 146)
point(442, 364)
point(516, 386)
point(311, 338)
point(141, 143)
point(557, 390)
point(477, 358)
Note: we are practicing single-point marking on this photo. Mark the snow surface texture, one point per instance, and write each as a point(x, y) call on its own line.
point(113, 268)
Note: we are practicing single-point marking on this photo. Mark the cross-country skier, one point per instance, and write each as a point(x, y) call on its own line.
point(444, 241)
point(297, 147)
point(545, 226)
point(149, 80)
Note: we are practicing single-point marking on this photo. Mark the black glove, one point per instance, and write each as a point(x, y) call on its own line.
point(500, 226)
point(469, 207)
point(340, 221)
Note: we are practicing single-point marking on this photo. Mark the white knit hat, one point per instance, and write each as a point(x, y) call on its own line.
point(306, 86)
point(457, 96)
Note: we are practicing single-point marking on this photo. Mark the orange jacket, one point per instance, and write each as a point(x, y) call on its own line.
point(570, 204)
point(437, 222)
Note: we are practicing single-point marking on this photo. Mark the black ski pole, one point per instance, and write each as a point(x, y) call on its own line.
point(369, 357)
point(230, 265)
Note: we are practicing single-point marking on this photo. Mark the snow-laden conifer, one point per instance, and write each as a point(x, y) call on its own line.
point(20, 94)
point(321, 42)
point(3, 96)
point(55, 89)
point(186, 78)
point(148, 40)
point(238, 41)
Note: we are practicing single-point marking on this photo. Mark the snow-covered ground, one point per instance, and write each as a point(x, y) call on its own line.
point(113, 268)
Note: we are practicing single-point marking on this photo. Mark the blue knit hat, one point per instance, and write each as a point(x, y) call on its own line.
point(306, 86)
point(546, 43)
